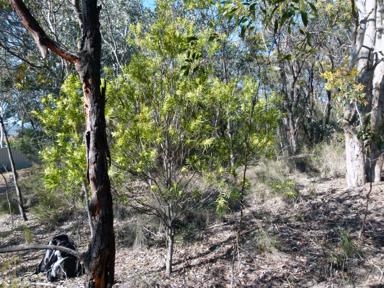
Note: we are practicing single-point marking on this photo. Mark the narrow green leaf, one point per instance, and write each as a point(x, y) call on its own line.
point(313, 8)
point(287, 57)
point(243, 29)
point(311, 16)
point(309, 38)
point(252, 8)
point(230, 11)
point(241, 20)
point(274, 68)
point(274, 2)
point(266, 23)
point(285, 17)
point(276, 26)
point(192, 38)
point(212, 38)
point(302, 6)
point(304, 18)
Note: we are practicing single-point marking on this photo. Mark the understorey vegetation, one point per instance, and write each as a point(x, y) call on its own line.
point(218, 144)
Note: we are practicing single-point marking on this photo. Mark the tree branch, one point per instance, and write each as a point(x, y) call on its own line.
point(355, 17)
point(41, 38)
point(29, 62)
point(77, 10)
point(43, 247)
point(359, 40)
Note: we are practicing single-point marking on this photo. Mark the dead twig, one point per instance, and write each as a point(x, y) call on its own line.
point(44, 247)
point(366, 205)
point(42, 284)
point(381, 272)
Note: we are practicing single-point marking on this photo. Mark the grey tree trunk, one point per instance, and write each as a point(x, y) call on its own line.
point(2, 138)
point(85, 191)
point(376, 159)
point(355, 175)
point(290, 125)
point(7, 194)
point(18, 193)
point(366, 53)
point(170, 240)
point(374, 168)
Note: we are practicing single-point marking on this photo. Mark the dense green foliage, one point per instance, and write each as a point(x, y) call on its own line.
point(62, 119)
point(166, 127)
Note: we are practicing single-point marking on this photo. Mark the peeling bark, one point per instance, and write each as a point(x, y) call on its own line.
point(367, 44)
point(41, 38)
point(100, 259)
point(376, 158)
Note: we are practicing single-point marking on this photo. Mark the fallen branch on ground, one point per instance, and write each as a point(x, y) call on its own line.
point(75, 253)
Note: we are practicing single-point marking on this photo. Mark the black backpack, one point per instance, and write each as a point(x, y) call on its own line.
point(60, 265)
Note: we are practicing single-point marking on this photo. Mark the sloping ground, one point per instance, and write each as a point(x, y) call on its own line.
point(310, 241)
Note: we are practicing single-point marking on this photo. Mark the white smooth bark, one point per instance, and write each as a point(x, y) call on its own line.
point(355, 176)
point(367, 46)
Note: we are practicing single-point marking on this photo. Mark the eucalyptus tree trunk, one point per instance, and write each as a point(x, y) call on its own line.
point(100, 259)
point(18, 193)
point(290, 102)
point(290, 125)
point(355, 175)
point(376, 159)
point(1, 138)
point(85, 192)
point(366, 52)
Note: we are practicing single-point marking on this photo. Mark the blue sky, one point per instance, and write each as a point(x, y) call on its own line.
point(149, 4)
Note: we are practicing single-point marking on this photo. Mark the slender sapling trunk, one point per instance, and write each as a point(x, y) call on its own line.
point(170, 240)
point(7, 194)
point(18, 193)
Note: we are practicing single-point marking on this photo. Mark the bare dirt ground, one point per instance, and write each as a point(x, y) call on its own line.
point(310, 241)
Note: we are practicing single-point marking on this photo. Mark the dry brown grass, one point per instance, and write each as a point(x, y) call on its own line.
point(327, 158)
